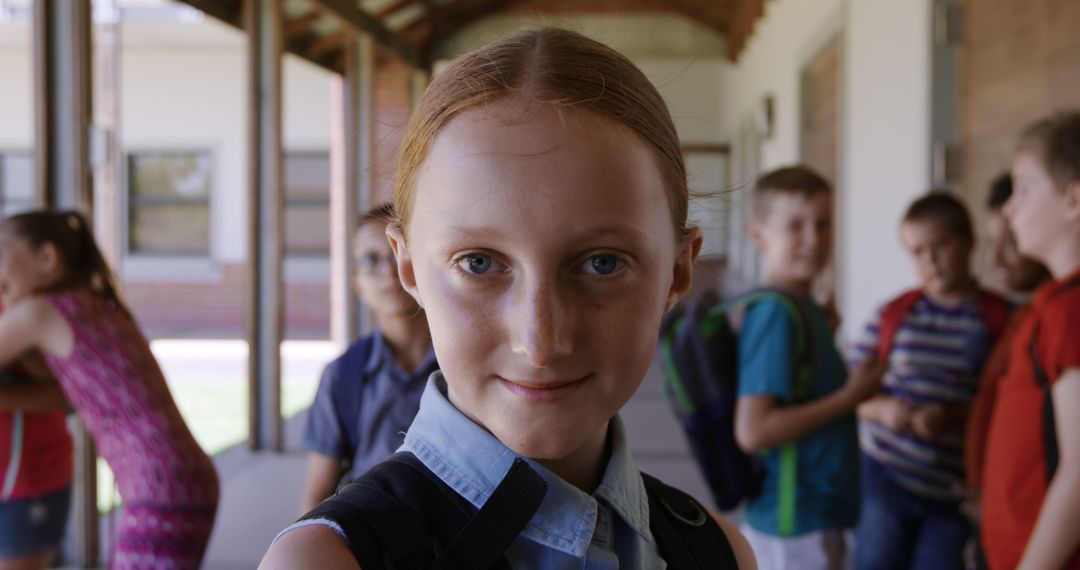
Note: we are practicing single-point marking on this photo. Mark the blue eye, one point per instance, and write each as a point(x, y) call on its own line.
point(603, 264)
point(477, 263)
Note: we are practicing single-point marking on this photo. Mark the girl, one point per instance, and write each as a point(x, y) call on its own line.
point(541, 203)
point(61, 300)
point(35, 467)
point(1031, 475)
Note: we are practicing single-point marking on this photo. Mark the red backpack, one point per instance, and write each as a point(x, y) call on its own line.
point(995, 314)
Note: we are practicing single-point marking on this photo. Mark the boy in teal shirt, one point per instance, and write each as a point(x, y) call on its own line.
point(805, 431)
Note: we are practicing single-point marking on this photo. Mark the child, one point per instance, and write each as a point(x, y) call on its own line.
point(368, 397)
point(1021, 276)
point(61, 300)
point(1031, 485)
point(935, 340)
point(804, 424)
point(542, 202)
point(35, 468)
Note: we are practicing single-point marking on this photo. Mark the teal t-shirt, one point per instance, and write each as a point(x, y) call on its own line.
point(827, 464)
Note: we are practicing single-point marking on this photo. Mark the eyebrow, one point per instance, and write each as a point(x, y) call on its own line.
point(464, 232)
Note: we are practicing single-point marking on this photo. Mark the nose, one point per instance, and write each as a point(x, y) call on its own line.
point(542, 322)
point(1009, 207)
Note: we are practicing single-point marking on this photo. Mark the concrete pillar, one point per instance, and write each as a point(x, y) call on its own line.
point(263, 21)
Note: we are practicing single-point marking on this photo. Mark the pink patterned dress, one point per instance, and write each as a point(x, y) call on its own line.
point(168, 484)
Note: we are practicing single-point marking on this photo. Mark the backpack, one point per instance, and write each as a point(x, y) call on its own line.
point(995, 314)
point(401, 516)
point(1049, 428)
point(700, 350)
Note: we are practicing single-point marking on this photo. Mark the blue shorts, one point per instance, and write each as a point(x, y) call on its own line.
point(33, 525)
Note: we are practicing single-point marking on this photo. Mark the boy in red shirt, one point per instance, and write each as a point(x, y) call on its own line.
point(1031, 486)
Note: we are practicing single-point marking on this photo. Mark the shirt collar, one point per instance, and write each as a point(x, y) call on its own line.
point(381, 355)
point(1051, 288)
point(472, 462)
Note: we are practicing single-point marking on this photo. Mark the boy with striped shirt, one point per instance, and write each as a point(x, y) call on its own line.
point(935, 340)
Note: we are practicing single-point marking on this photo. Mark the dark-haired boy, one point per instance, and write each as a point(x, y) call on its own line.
point(369, 396)
point(803, 424)
point(935, 340)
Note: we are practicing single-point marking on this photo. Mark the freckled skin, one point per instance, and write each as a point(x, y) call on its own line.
point(542, 248)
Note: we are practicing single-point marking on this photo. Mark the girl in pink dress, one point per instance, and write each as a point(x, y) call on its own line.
point(61, 300)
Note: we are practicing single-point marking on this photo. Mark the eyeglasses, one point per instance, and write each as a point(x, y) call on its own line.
point(373, 263)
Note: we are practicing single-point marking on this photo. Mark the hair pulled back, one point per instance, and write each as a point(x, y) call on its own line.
point(83, 265)
point(551, 66)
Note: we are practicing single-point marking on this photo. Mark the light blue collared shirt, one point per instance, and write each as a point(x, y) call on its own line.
point(572, 530)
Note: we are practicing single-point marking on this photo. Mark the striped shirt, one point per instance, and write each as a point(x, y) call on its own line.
point(937, 355)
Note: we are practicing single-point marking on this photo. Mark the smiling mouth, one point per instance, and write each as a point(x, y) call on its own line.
point(542, 391)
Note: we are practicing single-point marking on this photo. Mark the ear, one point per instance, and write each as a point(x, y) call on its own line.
point(48, 258)
point(754, 231)
point(683, 275)
point(1072, 198)
point(403, 258)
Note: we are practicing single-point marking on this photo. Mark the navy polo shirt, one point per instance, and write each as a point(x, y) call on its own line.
point(364, 405)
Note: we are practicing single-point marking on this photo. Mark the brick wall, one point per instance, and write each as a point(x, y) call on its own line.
point(219, 308)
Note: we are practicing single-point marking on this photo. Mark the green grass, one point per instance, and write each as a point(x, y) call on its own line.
point(216, 411)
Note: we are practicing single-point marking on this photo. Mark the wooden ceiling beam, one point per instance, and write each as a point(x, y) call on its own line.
point(300, 25)
point(447, 19)
point(392, 8)
point(350, 12)
point(227, 11)
point(330, 42)
point(700, 14)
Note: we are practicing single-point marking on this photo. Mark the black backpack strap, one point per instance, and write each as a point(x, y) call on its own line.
point(1049, 425)
point(502, 518)
point(687, 536)
point(401, 516)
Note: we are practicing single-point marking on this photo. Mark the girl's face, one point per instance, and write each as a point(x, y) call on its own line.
point(541, 246)
point(1037, 211)
point(24, 270)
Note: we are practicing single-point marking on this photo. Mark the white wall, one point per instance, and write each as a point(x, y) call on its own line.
point(784, 40)
point(886, 147)
point(196, 98)
point(183, 88)
point(885, 118)
point(16, 87)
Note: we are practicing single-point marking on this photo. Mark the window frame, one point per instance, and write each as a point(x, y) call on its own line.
point(132, 203)
point(304, 254)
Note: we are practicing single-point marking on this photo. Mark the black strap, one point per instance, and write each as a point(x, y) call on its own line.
point(687, 536)
point(1049, 425)
point(502, 518)
point(401, 516)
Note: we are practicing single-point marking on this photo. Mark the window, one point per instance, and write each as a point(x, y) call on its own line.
point(307, 203)
point(16, 183)
point(169, 205)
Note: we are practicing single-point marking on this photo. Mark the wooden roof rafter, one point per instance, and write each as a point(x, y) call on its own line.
point(228, 11)
point(350, 13)
point(699, 12)
point(392, 8)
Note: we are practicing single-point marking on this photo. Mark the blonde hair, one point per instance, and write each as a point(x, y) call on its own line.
point(551, 66)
